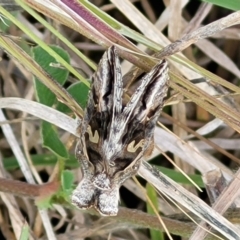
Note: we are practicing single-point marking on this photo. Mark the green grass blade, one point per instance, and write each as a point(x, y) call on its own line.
point(230, 4)
point(43, 45)
point(152, 194)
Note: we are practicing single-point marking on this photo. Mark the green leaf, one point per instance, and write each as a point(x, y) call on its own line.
point(230, 4)
point(152, 194)
point(180, 178)
point(45, 60)
point(41, 43)
point(52, 141)
point(25, 232)
point(41, 160)
point(62, 196)
point(45, 203)
point(79, 91)
point(67, 180)
point(47, 97)
point(4, 24)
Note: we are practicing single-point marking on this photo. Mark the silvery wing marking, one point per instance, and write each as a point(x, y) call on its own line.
point(115, 136)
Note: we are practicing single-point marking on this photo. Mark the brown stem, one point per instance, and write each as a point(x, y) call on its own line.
point(143, 220)
point(26, 189)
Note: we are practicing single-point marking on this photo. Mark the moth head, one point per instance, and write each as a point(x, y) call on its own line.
point(88, 195)
point(102, 181)
point(102, 178)
point(96, 189)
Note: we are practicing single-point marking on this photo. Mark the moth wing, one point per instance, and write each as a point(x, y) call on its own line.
point(143, 110)
point(154, 98)
point(138, 119)
point(105, 99)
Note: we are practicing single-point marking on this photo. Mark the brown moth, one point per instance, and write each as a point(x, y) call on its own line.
point(115, 136)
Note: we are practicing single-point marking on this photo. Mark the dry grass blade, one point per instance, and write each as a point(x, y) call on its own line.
point(129, 10)
point(161, 183)
point(218, 56)
point(197, 94)
point(41, 111)
point(195, 22)
point(10, 5)
point(83, 26)
point(223, 112)
point(179, 194)
point(223, 202)
point(17, 150)
point(188, 152)
point(203, 32)
point(15, 51)
point(16, 216)
point(28, 175)
point(152, 32)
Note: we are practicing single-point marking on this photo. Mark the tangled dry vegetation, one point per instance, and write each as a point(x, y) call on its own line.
point(198, 128)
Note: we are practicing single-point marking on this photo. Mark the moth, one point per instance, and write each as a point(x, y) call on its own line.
point(115, 134)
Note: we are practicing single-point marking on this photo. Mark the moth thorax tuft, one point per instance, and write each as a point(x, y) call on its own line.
point(102, 181)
